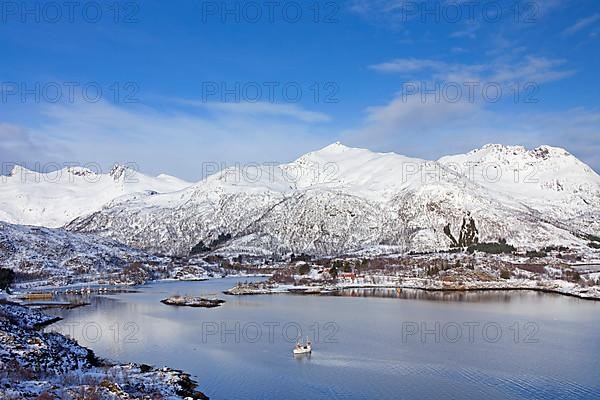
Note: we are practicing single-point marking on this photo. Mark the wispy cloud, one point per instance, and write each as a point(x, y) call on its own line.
point(262, 108)
point(181, 138)
point(468, 31)
point(582, 24)
point(528, 69)
point(401, 126)
point(459, 50)
point(531, 69)
point(406, 65)
point(17, 145)
point(457, 126)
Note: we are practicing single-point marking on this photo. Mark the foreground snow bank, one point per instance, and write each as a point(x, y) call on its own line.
point(40, 365)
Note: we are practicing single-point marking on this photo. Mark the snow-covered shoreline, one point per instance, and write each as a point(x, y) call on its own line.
point(325, 290)
point(556, 286)
point(35, 364)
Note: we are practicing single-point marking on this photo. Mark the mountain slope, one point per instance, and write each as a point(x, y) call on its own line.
point(42, 253)
point(342, 200)
point(55, 198)
point(547, 179)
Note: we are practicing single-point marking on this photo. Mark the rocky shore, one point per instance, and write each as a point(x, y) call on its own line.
point(47, 365)
point(253, 288)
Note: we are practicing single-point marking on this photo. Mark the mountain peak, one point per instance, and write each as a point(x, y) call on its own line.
point(341, 151)
point(546, 151)
point(119, 171)
point(336, 147)
point(19, 171)
point(540, 152)
point(501, 148)
point(79, 171)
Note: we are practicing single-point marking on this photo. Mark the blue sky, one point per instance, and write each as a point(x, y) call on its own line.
point(187, 75)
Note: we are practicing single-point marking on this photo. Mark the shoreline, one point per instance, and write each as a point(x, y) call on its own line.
point(329, 291)
point(93, 287)
point(322, 289)
point(42, 363)
point(450, 290)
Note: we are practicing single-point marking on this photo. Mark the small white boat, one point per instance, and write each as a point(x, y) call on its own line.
point(303, 348)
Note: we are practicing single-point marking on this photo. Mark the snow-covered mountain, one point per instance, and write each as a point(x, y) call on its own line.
point(547, 179)
point(55, 198)
point(42, 253)
point(341, 199)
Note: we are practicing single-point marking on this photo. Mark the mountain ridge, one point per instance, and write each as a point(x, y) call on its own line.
point(55, 198)
point(343, 200)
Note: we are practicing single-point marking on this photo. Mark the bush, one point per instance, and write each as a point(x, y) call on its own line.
point(492, 248)
point(347, 267)
point(593, 238)
point(304, 269)
point(301, 257)
point(199, 248)
point(555, 248)
point(433, 271)
point(136, 273)
point(223, 237)
point(572, 276)
point(333, 271)
point(7, 278)
point(535, 268)
point(505, 274)
point(535, 254)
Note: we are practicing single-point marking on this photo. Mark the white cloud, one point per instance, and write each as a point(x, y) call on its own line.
point(432, 129)
point(427, 126)
point(176, 142)
point(18, 146)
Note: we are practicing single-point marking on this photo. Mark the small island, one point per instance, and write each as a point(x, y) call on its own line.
point(191, 301)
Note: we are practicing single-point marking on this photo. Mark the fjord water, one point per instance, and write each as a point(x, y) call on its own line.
point(362, 350)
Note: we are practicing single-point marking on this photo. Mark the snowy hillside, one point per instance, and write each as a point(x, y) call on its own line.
point(342, 200)
point(547, 179)
point(55, 198)
point(42, 253)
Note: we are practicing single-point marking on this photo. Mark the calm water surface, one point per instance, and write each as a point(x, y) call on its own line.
point(367, 344)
